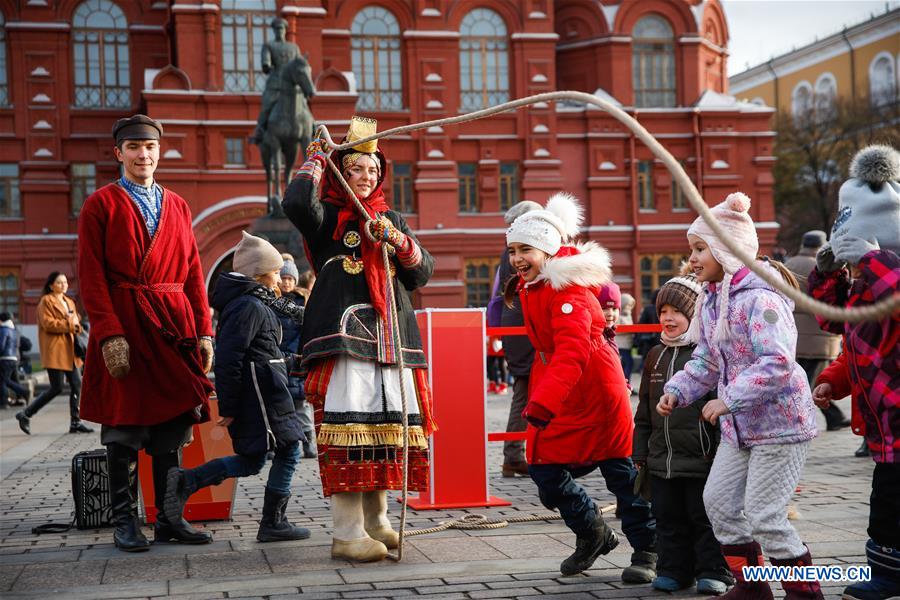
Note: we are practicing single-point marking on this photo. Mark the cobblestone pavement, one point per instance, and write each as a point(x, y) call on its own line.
point(517, 561)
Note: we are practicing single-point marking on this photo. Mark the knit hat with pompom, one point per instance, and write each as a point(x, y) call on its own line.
point(734, 217)
point(548, 228)
point(869, 202)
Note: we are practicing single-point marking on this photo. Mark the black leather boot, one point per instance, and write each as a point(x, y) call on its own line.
point(174, 529)
point(121, 464)
point(599, 540)
point(274, 526)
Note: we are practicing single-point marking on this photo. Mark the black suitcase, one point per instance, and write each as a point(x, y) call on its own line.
point(90, 490)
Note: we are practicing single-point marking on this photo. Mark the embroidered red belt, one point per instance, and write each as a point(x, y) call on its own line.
point(141, 290)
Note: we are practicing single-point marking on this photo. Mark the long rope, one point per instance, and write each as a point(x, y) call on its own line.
point(872, 312)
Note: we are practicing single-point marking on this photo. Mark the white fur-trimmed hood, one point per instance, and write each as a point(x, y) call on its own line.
point(589, 268)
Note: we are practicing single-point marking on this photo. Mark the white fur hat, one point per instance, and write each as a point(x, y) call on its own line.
point(255, 256)
point(548, 228)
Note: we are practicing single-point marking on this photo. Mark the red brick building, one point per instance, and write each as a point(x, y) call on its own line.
point(69, 68)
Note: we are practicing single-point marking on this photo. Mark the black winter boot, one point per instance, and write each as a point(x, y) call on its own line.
point(600, 540)
point(121, 466)
point(643, 567)
point(274, 526)
point(173, 528)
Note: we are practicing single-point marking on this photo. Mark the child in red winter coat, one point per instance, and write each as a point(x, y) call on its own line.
point(860, 266)
point(578, 410)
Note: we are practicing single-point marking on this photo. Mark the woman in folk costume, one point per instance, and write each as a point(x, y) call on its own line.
point(350, 358)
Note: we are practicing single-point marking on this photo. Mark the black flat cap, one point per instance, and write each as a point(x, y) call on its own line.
point(137, 127)
point(814, 239)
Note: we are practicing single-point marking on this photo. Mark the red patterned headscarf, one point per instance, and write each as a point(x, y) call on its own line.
point(333, 192)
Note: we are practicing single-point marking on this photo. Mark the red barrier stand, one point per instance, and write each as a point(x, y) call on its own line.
point(213, 503)
point(453, 340)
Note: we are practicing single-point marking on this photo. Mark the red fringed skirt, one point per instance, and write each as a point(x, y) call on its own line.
point(366, 456)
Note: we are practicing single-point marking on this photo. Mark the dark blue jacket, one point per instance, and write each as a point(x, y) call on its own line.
point(250, 369)
point(9, 341)
point(290, 345)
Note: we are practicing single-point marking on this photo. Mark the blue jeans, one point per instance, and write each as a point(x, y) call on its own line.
point(627, 362)
point(239, 465)
point(559, 490)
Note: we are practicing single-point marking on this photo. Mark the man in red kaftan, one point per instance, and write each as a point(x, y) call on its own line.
point(150, 346)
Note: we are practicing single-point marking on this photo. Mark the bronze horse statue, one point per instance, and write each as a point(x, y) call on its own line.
point(289, 127)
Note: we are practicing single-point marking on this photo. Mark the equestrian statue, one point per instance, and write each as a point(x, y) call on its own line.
point(285, 121)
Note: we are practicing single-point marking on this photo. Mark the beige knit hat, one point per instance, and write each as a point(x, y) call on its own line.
point(255, 256)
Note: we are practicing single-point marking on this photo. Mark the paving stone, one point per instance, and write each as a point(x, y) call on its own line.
point(27, 558)
point(292, 559)
point(457, 549)
point(445, 588)
point(487, 579)
point(528, 546)
point(516, 592)
point(8, 574)
point(228, 564)
point(60, 576)
point(240, 583)
point(412, 583)
point(145, 568)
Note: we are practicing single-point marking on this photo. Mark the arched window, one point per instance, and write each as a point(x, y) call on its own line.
point(375, 43)
point(653, 62)
point(801, 100)
point(100, 55)
point(483, 60)
point(4, 90)
point(882, 81)
point(246, 27)
point(826, 92)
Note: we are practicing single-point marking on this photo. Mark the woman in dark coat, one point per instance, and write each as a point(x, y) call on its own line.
point(350, 357)
point(252, 387)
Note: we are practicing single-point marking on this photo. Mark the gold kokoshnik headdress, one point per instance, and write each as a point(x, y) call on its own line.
point(360, 128)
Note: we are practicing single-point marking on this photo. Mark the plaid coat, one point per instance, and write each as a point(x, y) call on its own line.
point(871, 348)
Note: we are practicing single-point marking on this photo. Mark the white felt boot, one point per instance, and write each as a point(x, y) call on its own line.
point(350, 540)
point(377, 524)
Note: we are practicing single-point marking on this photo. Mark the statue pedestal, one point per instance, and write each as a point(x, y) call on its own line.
point(282, 234)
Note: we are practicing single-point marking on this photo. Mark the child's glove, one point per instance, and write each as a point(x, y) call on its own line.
point(851, 249)
point(115, 355)
point(206, 353)
point(825, 260)
point(537, 415)
point(383, 230)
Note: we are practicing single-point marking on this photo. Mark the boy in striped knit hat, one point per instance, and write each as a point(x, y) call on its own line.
point(677, 451)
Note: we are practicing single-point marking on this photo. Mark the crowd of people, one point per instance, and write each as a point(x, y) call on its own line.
point(320, 364)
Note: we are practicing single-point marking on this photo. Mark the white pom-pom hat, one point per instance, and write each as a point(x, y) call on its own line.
point(549, 228)
point(734, 217)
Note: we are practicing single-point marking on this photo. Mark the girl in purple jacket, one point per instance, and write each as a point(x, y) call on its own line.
point(746, 342)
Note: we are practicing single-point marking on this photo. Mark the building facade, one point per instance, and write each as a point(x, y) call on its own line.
point(70, 68)
point(860, 63)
